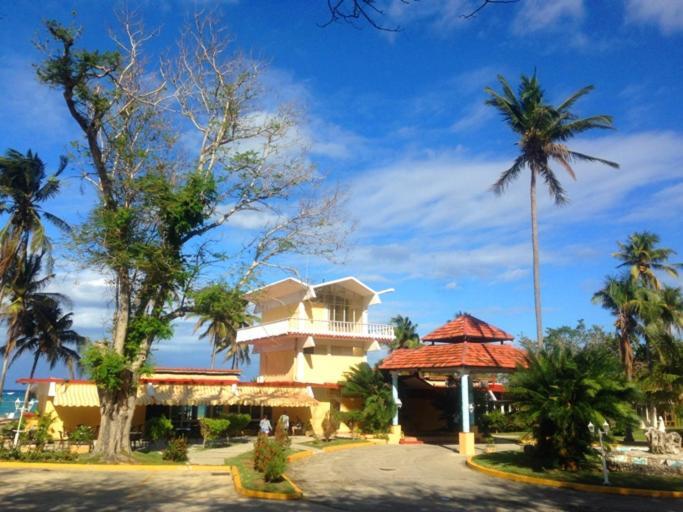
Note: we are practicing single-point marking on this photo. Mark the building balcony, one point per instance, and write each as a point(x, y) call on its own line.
point(323, 328)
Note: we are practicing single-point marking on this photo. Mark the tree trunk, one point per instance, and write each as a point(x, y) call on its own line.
point(213, 356)
point(5, 366)
point(537, 272)
point(116, 417)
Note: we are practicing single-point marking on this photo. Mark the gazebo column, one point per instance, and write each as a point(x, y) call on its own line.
point(465, 438)
point(395, 434)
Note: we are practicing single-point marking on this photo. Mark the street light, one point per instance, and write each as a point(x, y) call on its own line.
point(602, 431)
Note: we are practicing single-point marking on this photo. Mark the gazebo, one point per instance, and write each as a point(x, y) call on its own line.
point(464, 346)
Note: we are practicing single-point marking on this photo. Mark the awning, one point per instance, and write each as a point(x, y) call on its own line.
point(84, 394)
point(74, 395)
point(271, 396)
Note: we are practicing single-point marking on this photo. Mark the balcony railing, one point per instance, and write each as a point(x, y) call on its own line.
point(321, 327)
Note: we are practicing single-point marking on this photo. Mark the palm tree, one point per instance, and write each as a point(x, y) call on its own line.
point(405, 333)
point(377, 406)
point(221, 312)
point(644, 258)
point(24, 185)
point(49, 335)
point(626, 302)
point(543, 130)
point(563, 389)
point(25, 302)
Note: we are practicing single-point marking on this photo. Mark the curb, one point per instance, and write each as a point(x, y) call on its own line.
point(264, 495)
point(300, 455)
point(622, 491)
point(110, 467)
point(342, 447)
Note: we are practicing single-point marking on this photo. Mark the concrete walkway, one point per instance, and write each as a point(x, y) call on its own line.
point(217, 456)
point(435, 478)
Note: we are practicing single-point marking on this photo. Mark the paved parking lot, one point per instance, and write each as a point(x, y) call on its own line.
point(380, 478)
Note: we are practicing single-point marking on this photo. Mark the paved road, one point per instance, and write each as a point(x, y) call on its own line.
point(380, 478)
point(433, 478)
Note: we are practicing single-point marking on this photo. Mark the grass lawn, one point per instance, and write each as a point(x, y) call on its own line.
point(151, 458)
point(522, 464)
point(334, 442)
point(252, 479)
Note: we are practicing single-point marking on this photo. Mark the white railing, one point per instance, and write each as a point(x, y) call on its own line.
point(308, 326)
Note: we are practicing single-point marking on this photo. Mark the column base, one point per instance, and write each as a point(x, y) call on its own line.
point(466, 440)
point(395, 434)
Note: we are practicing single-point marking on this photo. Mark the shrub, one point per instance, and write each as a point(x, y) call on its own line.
point(561, 391)
point(270, 458)
point(330, 426)
point(158, 429)
point(275, 463)
point(260, 448)
point(238, 422)
point(377, 405)
point(281, 435)
point(213, 429)
point(41, 434)
point(37, 455)
point(176, 450)
point(82, 434)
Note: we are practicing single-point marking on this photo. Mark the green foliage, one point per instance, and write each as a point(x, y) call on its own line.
point(260, 449)
point(159, 428)
point(495, 421)
point(213, 429)
point(176, 450)
point(377, 405)
point(562, 390)
point(238, 422)
point(221, 311)
point(270, 458)
point(105, 366)
point(144, 328)
point(15, 454)
point(405, 333)
point(275, 462)
point(41, 434)
point(83, 434)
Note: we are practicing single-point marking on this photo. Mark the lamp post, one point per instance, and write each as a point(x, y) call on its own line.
point(603, 431)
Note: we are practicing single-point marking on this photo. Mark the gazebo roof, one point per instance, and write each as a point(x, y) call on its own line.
point(453, 356)
point(467, 328)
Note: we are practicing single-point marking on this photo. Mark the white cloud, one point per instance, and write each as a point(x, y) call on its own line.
point(665, 14)
point(449, 225)
point(542, 15)
point(473, 117)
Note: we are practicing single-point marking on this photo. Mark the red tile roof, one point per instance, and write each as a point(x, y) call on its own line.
point(459, 355)
point(467, 328)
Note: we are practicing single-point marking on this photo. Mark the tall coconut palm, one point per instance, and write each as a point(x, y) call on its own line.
point(221, 311)
point(626, 302)
point(405, 333)
point(49, 335)
point(24, 186)
point(25, 301)
point(644, 258)
point(543, 130)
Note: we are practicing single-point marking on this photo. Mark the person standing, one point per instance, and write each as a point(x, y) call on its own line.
point(285, 422)
point(264, 426)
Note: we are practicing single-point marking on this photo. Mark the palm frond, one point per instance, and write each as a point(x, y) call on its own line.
point(508, 176)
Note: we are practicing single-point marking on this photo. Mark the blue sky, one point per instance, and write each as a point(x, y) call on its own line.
point(398, 121)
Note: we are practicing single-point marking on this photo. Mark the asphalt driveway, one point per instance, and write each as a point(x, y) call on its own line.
point(379, 478)
point(434, 478)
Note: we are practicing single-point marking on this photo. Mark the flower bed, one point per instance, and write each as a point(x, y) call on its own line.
point(520, 463)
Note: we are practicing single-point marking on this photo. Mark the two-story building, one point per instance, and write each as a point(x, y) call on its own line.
point(312, 335)
point(307, 338)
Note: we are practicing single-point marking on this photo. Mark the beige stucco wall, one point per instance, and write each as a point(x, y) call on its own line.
point(280, 313)
point(278, 365)
point(330, 360)
point(67, 419)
